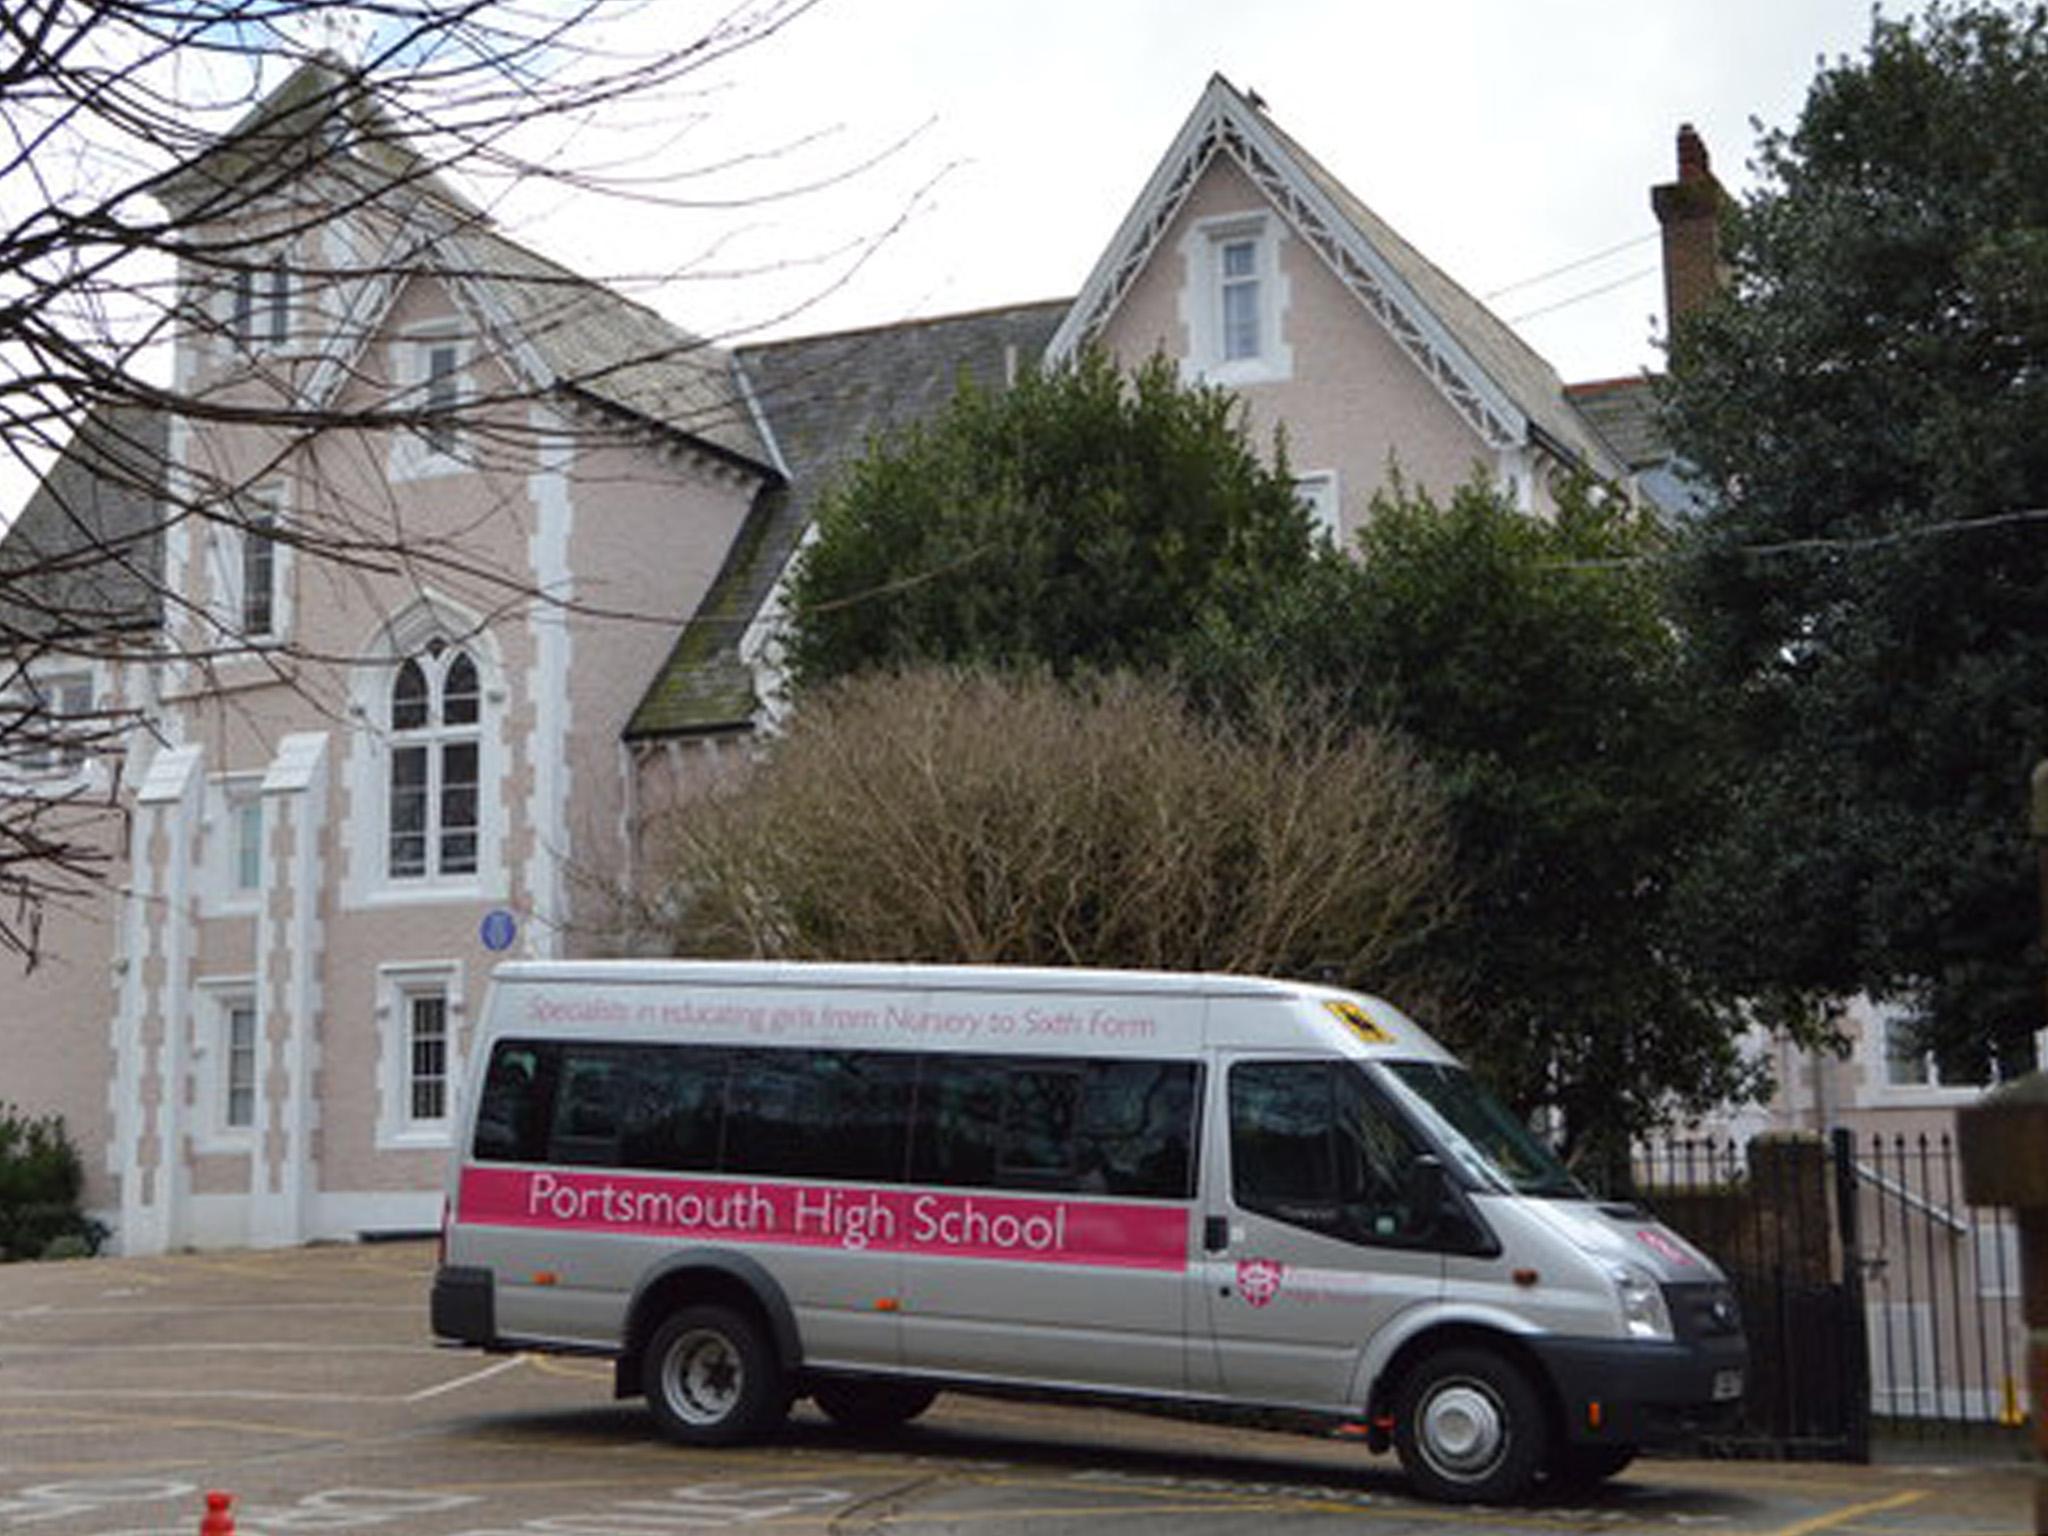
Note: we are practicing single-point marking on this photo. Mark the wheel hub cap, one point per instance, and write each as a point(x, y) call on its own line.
point(701, 1378)
point(1462, 1430)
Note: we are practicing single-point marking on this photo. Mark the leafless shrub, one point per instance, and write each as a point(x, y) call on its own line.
point(945, 816)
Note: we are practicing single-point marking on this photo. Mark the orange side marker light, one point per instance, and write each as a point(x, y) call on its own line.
point(545, 1277)
point(887, 1304)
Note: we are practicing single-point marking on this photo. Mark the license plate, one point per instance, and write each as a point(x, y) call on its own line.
point(1727, 1385)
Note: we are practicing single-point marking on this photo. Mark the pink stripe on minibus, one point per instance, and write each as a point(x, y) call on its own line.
point(1115, 1234)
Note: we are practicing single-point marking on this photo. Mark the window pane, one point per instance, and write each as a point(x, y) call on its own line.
point(409, 698)
point(959, 1122)
point(240, 1109)
point(427, 1048)
point(459, 693)
point(511, 1119)
point(1041, 1113)
point(259, 575)
point(439, 430)
point(837, 1115)
point(246, 817)
point(586, 1124)
point(1240, 320)
point(458, 808)
point(672, 1109)
point(1240, 258)
point(1280, 1141)
point(409, 811)
point(1138, 1124)
point(1374, 1155)
point(279, 299)
point(245, 304)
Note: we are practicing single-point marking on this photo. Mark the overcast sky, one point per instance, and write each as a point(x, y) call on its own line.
point(1504, 138)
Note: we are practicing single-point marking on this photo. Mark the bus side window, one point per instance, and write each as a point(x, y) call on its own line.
point(819, 1114)
point(959, 1125)
point(511, 1119)
point(586, 1128)
point(1041, 1116)
point(1138, 1123)
point(672, 1109)
point(1280, 1143)
point(1312, 1145)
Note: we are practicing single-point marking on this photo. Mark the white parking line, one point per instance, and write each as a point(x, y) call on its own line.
point(464, 1381)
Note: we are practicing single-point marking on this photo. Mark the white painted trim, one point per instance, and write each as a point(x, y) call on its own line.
point(411, 457)
point(365, 846)
point(211, 1134)
point(396, 983)
point(291, 960)
point(551, 490)
point(1224, 124)
point(1201, 293)
point(1322, 492)
point(152, 1028)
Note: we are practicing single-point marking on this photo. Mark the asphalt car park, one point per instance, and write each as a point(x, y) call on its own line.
point(303, 1383)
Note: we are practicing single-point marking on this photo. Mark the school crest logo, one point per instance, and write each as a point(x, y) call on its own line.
point(1258, 1280)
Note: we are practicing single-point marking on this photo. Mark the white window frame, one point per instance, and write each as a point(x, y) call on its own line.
point(422, 452)
point(1927, 1088)
point(1207, 279)
point(437, 740)
point(401, 989)
point(259, 304)
point(50, 692)
point(261, 515)
point(1320, 492)
point(222, 998)
point(234, 808)
point(366, 881)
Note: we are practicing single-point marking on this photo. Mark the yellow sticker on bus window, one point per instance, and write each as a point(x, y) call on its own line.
point(1359, 1022)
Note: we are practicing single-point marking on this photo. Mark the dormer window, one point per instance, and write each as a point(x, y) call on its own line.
point(1237, 274)
point(441, 366)
point(262, 304)
point(429, 367)
point(1234, 301)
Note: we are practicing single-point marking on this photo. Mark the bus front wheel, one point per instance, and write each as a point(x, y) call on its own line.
point(1469, 1428)
point(712, 1378)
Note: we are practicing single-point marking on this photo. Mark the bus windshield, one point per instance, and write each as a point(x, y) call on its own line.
point(1478, 1130)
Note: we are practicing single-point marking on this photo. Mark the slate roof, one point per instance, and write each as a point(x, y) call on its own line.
point(84, 558)
point(598, 345)
point(824, 399)
point(1624, 413)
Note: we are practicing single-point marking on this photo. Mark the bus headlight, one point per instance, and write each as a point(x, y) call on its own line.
point(1643, 1312)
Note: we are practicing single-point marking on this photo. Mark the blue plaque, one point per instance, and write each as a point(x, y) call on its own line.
point(498, 929)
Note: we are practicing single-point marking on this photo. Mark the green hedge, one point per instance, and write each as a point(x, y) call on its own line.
point(41, 1179)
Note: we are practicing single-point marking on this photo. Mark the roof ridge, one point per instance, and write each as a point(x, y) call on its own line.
point(883, 327)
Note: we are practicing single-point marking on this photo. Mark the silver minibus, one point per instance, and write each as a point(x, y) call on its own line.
point(747, 1183)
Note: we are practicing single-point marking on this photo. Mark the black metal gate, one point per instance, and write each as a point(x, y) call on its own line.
point(1781, 1217)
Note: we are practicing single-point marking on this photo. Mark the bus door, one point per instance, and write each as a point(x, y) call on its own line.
point(1308, 1243)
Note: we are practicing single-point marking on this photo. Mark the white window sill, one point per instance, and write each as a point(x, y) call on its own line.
point(220, 1143)
point(417, 1139)
point(1236, 372)
point(424, 893)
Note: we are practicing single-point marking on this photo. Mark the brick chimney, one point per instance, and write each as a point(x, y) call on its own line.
point(1690, 209)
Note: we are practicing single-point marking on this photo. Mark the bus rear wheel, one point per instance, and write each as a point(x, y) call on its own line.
point(1469, 1428)
point(712, 1378)
point(870, 1405)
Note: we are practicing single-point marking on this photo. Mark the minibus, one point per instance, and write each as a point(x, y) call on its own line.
point(747, 1183)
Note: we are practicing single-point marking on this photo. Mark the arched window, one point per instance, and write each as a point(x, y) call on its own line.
point(435, 736)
